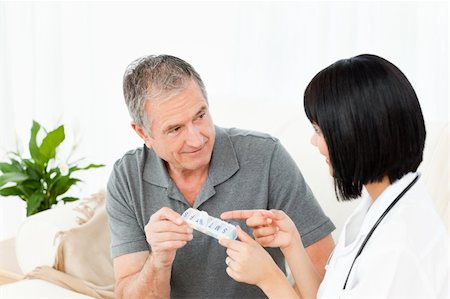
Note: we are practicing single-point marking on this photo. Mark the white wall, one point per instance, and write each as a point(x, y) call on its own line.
point(62, 62)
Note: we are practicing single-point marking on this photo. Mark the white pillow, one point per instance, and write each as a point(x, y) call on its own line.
point(35, 241)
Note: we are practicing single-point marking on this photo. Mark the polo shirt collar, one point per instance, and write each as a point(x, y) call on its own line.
point(223, 165)
point(155, 171)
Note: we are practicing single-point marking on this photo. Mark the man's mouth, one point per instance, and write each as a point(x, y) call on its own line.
point(196, 150)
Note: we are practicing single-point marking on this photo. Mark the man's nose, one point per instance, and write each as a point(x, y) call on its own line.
point(194, 138)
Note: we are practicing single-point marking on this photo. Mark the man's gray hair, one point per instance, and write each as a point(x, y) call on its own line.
point(154, 77)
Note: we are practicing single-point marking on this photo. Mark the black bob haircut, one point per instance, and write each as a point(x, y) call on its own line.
point(371, 121)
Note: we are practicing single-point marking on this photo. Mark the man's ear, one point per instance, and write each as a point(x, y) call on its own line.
point(141, 132)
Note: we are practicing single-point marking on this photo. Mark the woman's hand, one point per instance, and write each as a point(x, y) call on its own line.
point(248, 262)
point(270, 228)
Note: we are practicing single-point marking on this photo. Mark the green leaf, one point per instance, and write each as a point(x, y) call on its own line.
point(53, 170)
point(28, 187)
point(12, 177)
point(7, 167)
point(76, 168)
point(36, 165)
point(47, 150)
point(93, 166)
point(10, 191)
point(69, 199)
point(17, 165)
point(62, 185)
point(34, 174)
point(34, 149)
point(34, 203)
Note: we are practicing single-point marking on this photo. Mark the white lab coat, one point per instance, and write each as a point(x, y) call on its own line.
point(407, 256)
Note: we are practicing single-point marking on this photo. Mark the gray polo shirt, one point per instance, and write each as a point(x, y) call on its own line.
point(248, 170)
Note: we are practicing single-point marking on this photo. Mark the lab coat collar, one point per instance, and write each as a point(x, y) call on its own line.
point(383, 201)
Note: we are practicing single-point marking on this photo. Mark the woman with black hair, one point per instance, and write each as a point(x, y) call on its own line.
point(369, 126)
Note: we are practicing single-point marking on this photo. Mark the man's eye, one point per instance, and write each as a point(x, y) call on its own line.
point(174, 130)
point(202, 115)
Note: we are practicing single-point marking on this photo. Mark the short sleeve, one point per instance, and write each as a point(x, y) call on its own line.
point(127, 236)
point(290, 193)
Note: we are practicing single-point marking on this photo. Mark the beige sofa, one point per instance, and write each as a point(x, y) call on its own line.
point(34, 244)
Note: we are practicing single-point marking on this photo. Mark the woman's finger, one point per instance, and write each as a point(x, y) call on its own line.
point(265, 231)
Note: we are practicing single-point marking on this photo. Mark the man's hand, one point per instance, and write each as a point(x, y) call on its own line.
point(166, 232)
point(270, 228)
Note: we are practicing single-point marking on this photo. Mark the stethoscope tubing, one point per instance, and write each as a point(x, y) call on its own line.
point(376, 225)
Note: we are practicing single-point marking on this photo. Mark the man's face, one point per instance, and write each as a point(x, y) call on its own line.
point(182, 130)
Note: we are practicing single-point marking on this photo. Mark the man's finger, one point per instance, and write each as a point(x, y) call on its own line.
point(169, 226)
point(168, 214)
point(168, 236)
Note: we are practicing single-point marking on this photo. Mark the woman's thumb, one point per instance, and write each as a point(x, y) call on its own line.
point(243, 236)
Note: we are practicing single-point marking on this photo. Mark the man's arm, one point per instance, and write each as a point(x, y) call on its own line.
point(147, 275)
point(319, 253)
point(137, 276)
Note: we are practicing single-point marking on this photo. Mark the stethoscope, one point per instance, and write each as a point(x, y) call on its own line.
point(376, 224)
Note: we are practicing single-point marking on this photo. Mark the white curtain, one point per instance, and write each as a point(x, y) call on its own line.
point(62, 63)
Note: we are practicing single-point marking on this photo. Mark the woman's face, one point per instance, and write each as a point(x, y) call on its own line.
point(318, 141)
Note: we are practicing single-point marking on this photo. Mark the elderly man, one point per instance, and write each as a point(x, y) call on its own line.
point(188, 162)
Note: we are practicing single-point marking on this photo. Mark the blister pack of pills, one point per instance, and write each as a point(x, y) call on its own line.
point(212, 226)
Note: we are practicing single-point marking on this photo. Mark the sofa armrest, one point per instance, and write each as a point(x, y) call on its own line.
point(33, 288)
point(7, 277)
point(8, 260)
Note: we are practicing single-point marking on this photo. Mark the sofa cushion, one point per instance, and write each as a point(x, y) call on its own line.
point(79, 257)
point(84, 251)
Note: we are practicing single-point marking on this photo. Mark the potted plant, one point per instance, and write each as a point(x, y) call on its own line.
point(39, 180)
